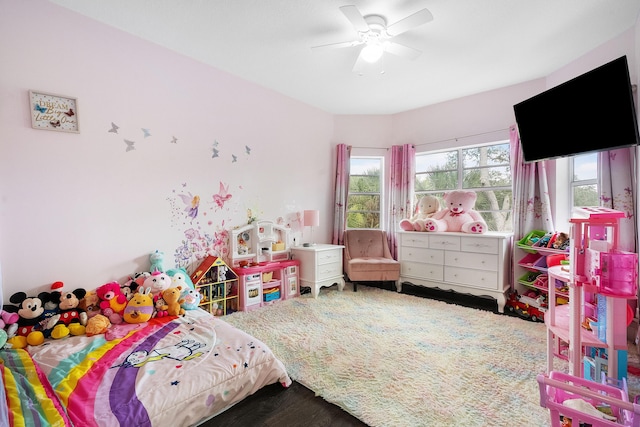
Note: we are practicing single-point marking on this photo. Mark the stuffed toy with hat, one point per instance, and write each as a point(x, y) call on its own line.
point(427, 207)
point(72, 319)
point(458, 214)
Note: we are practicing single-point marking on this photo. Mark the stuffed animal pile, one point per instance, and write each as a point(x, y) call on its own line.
point(111, 309)
point(458, 214)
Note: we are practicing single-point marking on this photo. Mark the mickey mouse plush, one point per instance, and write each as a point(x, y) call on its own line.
point(31, 310)
point(72, 318)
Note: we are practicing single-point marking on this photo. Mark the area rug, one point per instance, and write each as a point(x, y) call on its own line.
point(393, 359)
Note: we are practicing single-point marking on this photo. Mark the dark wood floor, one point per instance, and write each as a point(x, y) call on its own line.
point(298, 406)
point(277, 406)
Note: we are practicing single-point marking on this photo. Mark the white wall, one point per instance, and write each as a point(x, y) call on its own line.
point(80, 209)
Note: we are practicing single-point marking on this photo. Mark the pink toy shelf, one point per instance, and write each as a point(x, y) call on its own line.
point(557, 388)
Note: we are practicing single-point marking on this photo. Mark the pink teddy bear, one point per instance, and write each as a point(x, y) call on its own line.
point(458, 214)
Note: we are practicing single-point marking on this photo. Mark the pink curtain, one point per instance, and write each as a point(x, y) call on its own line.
point(341, 193)
point(618, 190)
point(531, 202)
point(402, 184)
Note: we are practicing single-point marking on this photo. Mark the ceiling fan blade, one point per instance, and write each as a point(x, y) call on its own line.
point(420, 17)
point(355, 17)
point(338, 45)
point(401, 50)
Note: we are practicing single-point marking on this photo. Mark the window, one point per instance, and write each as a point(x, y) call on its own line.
point(584, 180)
point(365, 192)
point(483, 169)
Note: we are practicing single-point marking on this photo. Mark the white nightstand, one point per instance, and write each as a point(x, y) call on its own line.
point(320, 265)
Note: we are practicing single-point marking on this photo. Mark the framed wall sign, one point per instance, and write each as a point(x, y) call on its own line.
point(53, 112)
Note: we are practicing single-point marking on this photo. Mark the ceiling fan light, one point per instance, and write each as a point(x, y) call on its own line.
point(372, 52)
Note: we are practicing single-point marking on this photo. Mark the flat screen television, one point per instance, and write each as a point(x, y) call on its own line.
point(592, 112)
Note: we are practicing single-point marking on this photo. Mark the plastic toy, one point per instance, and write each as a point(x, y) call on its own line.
point(426, 208)
point(458, 214)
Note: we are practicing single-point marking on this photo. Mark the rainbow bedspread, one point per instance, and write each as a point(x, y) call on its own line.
point(169, 371)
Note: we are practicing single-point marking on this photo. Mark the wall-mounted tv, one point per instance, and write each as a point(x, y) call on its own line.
point(592, 112)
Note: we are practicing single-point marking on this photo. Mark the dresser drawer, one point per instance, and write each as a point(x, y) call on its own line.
point(479, 244)
point(442, 241)
point(415, 240)
point(430, 256)
point(422, 271)
point(476, 278)
point(471, 260)
point(328, 257)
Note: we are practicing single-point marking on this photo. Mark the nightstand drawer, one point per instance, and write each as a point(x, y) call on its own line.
point(328, 257)
point(326, 271)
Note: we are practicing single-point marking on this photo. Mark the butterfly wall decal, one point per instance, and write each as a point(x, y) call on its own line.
point(39, 108)
point(223, 195)
point(174, 140)
point(247, 149)
point(114, 128)
point(234, 158)
point(130, 145)
point(215, 153)
point(70, 113)
point(146, 132)
point(55, 124)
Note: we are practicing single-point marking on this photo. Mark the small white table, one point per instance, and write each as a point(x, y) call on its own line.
point(320, 266)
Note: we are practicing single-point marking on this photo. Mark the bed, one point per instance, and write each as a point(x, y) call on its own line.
point(170, 371)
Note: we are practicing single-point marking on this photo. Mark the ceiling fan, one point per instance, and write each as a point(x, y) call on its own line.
point(375, 35)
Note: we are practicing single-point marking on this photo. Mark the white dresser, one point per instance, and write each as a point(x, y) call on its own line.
point(476, 264)
point(320, 265)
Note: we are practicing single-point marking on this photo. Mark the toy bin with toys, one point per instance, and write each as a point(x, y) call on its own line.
point(575, 401)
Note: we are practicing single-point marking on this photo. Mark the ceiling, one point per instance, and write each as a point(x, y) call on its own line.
point(471, 46)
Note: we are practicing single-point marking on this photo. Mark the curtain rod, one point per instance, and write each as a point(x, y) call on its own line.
point(435, 142)
point(462, 137)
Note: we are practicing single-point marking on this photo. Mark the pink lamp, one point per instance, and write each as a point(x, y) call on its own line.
point(311, 219)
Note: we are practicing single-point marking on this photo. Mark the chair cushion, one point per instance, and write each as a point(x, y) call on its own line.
point(374, 264)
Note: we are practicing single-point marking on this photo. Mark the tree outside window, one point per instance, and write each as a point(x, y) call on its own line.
point(484, 169)
point(365, 192)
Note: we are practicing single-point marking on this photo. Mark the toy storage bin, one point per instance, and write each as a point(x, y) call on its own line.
point(526, 242)
point(529, 260)
point(558, 387)
point(619, 274)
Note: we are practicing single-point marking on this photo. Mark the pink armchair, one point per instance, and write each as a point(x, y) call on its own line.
point(367, 258)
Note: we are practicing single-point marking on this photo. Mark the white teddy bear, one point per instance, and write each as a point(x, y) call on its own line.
point(426, 208)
